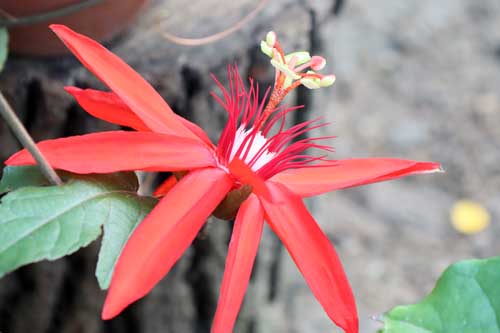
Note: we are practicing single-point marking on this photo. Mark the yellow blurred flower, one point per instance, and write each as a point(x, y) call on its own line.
point(469, 217)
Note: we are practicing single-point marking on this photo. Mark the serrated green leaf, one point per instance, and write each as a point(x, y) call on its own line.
point(466, 299)
point(117, 230)
point(49, 222)
point(15, 177)
point(4, 46)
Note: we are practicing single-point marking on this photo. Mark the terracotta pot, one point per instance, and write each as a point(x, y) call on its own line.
point(101, 22)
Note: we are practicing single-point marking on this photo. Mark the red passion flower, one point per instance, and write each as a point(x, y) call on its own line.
point(259, 171)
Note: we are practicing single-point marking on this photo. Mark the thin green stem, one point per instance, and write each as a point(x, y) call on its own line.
point(11, 21)
point(22, 135)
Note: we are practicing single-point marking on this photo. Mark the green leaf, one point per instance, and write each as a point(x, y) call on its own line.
point(117, 229)
point(4, 46)
point(466, 299)
point(15, 177)
point(49, 222)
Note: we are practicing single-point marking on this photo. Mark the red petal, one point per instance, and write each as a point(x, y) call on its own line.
point(107, 106)
point(315, 180)
point(165, 187)
point(239, 262)
point(136, 92)
point(117, 151)
point(313, 254)
point(245, 175)
point(163, 236)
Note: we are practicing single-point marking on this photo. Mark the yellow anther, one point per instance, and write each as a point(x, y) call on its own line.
point(271, 39)
point(301, 57)
point(266, 49)
point(327, 81)
point(311, 83)
point(284, 69)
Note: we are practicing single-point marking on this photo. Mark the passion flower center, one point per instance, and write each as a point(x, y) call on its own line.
point(252, 148)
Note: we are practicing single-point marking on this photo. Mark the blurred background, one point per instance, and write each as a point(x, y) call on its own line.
point(416, 79)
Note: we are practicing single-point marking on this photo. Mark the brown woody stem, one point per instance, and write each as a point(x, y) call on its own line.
point(22, 135)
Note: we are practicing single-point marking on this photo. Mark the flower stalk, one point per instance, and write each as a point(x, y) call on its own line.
point(22, 135)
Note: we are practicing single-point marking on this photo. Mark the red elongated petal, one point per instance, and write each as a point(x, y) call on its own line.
point(136, 92)
point(118, 151)
point(165, 187)
point(107, 106)
point(245, 240)
point(163, 236)
point(245, 175)
point(315, 180)
point(313, 254)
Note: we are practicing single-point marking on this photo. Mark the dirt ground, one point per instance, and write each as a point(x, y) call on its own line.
point(416, 79)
